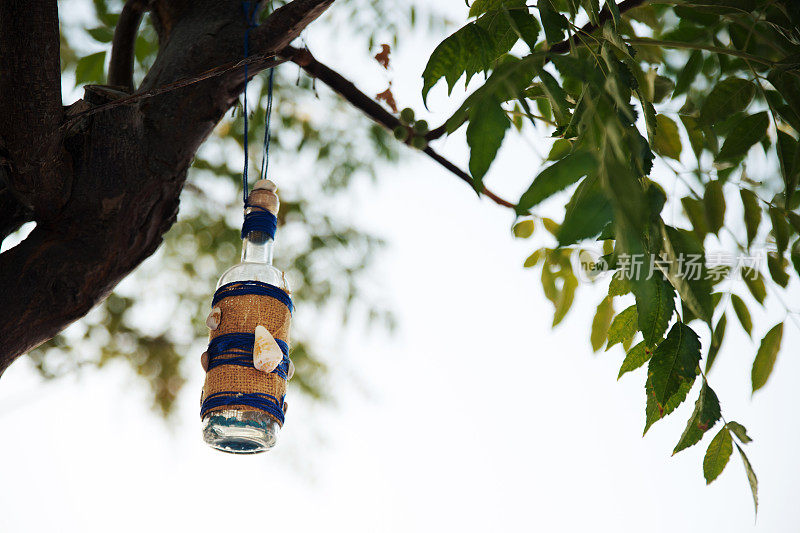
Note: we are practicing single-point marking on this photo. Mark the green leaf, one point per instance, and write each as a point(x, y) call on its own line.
point(717, 455)
point(742, 313)
point(747, 132)
point(688, 73)
point(776, 265)
point(755, 283)
point(555, 95)
point(674, 362)
point(667, 141)
point(619, 285)
point(696, 213)
point(752, 214)
point(525, 26)
point(465, 51)
point(740, 431)
point(524, 229)
point(636, 357)
point(751, 475)
point(560, 148)
point(101, 34)
point(565, 298)
point(766, 355)
point(623, 327)
point(655, 303)
point(555, 178)
point(716, 342)
point(706, 414)
point(714, 203)
point(592, 8)
point(688, 272)
point(90, 69)
point(488, 123)
point(554, 22)
point(587, 213)
point(654, 412)
point(730, 96)
point(789, 157)
point(796, 256)
point(695, 134)
point(601, 323)
point(781, 229)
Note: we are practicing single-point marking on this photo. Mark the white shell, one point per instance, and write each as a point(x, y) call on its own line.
point(204, 361)
point(267, 355)
point(291, 370)
point(213, 318)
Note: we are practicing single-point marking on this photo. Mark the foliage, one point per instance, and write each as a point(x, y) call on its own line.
point(324, 256)
point(712, 87)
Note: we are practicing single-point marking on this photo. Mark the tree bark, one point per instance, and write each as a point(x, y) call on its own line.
point(104, 189)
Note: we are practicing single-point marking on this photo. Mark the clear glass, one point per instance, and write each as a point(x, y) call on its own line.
point(235, 430)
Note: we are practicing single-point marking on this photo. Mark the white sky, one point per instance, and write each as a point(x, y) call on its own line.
point(475, 416)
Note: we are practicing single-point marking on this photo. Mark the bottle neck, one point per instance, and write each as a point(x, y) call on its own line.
point(257, 248)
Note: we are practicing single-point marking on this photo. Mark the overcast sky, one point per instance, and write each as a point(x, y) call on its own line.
point(474, 416)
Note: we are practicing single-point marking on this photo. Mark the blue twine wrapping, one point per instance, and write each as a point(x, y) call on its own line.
point(258, 288)
point(259, 219)
point(238, 347)
point(262, 401)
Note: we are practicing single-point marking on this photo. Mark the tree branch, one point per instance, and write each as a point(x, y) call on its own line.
point(120, 67)
point(130, 161)
point(30, 97)
point(347, 90)
point(562, 47)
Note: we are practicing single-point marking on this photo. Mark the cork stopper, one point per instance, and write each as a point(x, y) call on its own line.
point(263, 195)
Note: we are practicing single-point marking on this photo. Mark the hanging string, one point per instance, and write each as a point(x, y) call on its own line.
point(249, 13)
point(267, 123)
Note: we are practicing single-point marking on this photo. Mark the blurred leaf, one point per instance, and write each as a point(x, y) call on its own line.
point(668, 141)
point(601, 322)
point(752, 214)
point(730, 96)
point(755, 283)
point(747, 132)
point(766, 356)
point(717, 336)
point(714, 203)
point(554, 23)
point(742, 313)
point(623, 327)
point(523, 229)
point(90, 69)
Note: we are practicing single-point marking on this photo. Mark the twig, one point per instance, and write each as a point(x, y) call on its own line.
point(347, 90)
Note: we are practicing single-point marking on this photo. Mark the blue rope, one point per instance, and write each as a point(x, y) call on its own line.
point(264, 402)
point(258, 288)
point(240, 346)
point(259, 219)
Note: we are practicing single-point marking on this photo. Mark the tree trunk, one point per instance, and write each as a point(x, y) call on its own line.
point(103, 183)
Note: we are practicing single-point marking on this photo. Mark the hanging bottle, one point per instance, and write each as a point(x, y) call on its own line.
point(247, 365)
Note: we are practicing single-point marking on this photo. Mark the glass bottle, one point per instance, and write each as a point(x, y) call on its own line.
point(249, 430)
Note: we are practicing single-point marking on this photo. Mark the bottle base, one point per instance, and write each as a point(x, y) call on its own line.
point(240, 432)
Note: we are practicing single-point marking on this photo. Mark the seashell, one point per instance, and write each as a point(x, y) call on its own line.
point(213, 318)
point(204, 361)
point(290, 373)
point(267, 355)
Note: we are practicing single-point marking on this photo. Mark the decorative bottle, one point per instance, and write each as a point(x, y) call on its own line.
point(247, 366)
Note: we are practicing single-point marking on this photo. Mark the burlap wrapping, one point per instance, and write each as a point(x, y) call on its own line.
point(242, 314)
